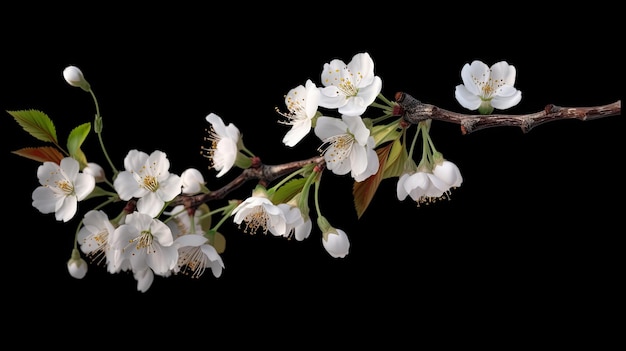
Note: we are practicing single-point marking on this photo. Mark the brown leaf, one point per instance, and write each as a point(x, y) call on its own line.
point(41, 154)
point(364, 191)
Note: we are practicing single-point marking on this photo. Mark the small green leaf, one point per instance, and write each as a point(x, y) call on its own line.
point(77, 137)
point(395, 164)
point(205, 222)
point(288, 190)
point(36, 123)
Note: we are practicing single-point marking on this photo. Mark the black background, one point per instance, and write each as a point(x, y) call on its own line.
point(531, 235)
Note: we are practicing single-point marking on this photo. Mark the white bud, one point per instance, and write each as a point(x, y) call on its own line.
point(74, 77)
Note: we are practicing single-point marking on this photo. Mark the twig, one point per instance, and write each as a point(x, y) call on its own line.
point(413, 111)
point(264, 173)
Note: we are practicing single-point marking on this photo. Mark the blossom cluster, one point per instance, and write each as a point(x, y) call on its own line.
point(154, 236)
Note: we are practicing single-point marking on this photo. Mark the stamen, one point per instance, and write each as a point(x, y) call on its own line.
point(256, 219)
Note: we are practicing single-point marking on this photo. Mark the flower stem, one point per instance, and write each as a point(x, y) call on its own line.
point(98, 130)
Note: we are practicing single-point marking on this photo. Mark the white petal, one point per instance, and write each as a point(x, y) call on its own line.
point(503, 73)
point(68, 209)
point(401, 191)
point(466, 98)
point(297, 132)
point(126, 186)
point(357, 128)
point(84, 185)
point(150, 204)
point(327, 127)
point(502, 103)
point(473, 75)
point(135, 160)
point(70, 167)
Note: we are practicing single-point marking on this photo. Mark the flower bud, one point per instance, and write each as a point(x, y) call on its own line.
point(96, 171)
point(74, 77)
point(76, 265)
point(336, 242)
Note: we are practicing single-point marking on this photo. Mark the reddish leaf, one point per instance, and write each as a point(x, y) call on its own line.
point(364, 191)
point(41, 154)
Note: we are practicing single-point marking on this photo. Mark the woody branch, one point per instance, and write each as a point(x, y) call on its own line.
point(262, 172)
point(413, 111)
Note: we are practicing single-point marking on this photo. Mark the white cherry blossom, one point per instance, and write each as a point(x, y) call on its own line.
point(225, 142)
point(147, 178)
point(351, 87)
point(146, 242)
point(302, 103)
point(485, 88)
point(349, 147)
point(62, 187)
point(259, 213)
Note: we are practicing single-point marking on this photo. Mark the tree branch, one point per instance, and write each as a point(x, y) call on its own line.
point(414, 111)
point(264, 173)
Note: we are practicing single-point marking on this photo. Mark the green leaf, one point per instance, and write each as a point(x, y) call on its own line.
point(395, 164)
point(205, 222)
point(288, 190)
point(77, 137)
point(79, 156)
point(36, 123)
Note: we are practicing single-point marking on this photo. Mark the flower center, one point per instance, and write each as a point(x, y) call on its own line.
point(489, 86)
point(65, 186)
point(255, 219)
point(98, 254)
point(347, 87)
point(337, 148)
point(144, 241)
point(192, 261)
point(209, 152)
point(151, 183)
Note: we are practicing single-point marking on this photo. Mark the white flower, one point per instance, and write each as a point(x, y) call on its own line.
point(297, 224)
point(96, 171)
point(349, 146)
point(76, 266)
point(422, 187)
point(74, 77)
point(336, 242)
point(192, 181)
point(302, 103)
point(195, 254)
point(449, 173)
point(426, 187)
point(224, 144)
point(146, 242)
point(93, 239)
point(351, 88)
point(260, 213)
point(487, 88)
point(62, 187)
point(148, 179)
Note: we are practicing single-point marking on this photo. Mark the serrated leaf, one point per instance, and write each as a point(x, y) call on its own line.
point(41, 154)
point(364, 191)
point(77, 137)
point(36, 123)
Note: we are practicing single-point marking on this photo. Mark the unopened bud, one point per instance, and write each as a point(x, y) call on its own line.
point(74, 77)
